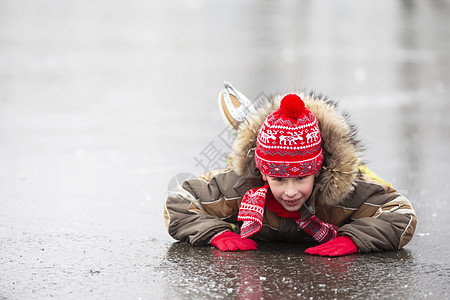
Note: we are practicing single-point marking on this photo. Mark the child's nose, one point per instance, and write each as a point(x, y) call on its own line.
point(290, 191)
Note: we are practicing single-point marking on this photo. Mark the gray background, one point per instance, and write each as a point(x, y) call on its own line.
point(102, 103)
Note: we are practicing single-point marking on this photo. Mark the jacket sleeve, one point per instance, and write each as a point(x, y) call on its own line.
point(196, 211)
point(385, 221)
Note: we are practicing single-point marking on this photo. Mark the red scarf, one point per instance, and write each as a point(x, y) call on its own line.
point(252, 210)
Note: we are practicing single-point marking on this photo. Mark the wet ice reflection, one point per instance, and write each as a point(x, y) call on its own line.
point(284, 271)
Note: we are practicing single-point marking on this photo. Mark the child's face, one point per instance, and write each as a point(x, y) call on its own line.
point(291, 192)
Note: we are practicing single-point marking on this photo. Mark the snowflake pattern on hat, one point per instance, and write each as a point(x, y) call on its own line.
point(281, 169)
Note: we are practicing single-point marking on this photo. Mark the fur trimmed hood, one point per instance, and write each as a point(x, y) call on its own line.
point(339, 142)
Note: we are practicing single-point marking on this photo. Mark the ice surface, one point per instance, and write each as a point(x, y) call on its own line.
point(103, 103)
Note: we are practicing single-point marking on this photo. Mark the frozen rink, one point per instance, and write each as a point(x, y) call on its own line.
point(103, 102)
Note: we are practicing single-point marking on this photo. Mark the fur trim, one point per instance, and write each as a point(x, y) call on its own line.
point(339, 142)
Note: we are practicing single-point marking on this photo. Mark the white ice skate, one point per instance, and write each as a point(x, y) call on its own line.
point(234, 105)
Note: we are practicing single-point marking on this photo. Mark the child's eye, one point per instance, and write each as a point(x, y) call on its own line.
point(279, 179)
point(300, 178)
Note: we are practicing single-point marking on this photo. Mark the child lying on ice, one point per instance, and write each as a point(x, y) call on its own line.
point(295, 175)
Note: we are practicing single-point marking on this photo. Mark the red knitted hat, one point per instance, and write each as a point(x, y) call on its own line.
point(289, 141)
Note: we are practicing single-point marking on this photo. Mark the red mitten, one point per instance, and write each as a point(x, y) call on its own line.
point(342, 245)
point(230, 241)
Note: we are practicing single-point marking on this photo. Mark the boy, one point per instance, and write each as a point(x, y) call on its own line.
point(295, 175)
